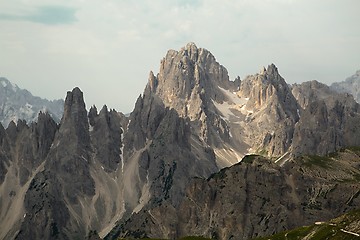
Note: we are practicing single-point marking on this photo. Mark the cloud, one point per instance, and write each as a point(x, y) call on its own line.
point(49, 15)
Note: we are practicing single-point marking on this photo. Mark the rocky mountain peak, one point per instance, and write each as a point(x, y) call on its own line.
point(17, 103)
point(188, 78)
point(272, 69)
point(350, 85)
point(74, 103)
point(152, 82)
point(266, 87)
point(6, 84)
point(191, 51)
point(75, 120)
point(74, 108)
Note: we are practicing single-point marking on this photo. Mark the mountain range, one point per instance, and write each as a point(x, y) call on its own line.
point(350, 85)
point(19, 104)
point(200, 155)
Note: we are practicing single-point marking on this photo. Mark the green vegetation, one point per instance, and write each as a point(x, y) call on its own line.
point(194, 238)
point(320, 161)
point(314, 232)
point(355, 149)
point(249, 158)
point(184, 238)
point(336, 229)
point(141, 238)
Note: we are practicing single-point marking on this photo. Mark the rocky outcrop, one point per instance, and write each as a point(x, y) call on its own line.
point(49, 192)
point(106, 133)
point(189, 82)
point(18, 104)
point(75, 186)
point(272, 112)
point(23, 152)
point(350, 85)
point(239, 202)
point(165, 152)
point(329, 120)
point(70, 159)
point(227, 115)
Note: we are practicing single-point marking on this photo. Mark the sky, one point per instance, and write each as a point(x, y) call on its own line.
point(108, 47)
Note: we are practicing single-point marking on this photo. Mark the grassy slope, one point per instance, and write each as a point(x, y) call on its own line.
point(332, 230)
point(184, 238)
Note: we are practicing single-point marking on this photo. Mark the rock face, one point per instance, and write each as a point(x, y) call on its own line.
point(189, 81)
point(61, 179)
point(161, 154)
point(350, 85)
point(256, 198)
point(225, 114)
point(18, 104)
point(329, 120)
point(99, 170)
point(23, 152)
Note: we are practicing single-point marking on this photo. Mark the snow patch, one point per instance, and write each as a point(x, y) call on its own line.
point(91, 128)
point(234, 102)
point(3, 83)
point(233, 97)
point(28, 105)
point(14, 86)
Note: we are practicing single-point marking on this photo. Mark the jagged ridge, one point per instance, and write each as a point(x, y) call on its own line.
point(18, 104)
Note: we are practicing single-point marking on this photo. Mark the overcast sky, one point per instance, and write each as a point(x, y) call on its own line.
point(108, 47)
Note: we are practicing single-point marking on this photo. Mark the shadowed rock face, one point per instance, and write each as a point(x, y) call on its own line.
point(65, 178)
point(61, 179)
point(255, 198)
point(23, 151)
point(106, 131)
point(160, 145)
point(46, 212)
